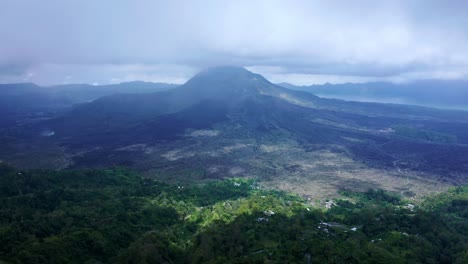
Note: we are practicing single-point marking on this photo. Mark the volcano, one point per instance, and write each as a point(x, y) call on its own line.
point(229, 122)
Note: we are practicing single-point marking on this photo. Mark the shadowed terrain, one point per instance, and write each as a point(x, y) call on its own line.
point(229, 122)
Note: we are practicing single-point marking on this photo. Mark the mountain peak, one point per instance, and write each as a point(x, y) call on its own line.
point(228, 81)
point(226, 73)
point(225, 70)
point(232, 84)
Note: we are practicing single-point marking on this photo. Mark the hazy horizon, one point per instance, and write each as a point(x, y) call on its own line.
point(182, 81)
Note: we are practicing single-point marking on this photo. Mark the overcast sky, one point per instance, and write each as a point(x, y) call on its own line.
point(301, 42)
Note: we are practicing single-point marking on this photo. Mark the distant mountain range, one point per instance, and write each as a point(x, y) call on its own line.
point(21, 100)
point(451, 94)
point(227, 121)
point(32, 95)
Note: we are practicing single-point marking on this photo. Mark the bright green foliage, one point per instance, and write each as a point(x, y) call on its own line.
point(115, 216)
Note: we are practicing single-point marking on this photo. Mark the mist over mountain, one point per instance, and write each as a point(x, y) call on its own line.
point(450, 94)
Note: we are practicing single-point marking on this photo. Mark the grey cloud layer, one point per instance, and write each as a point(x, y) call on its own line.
point(373, 39)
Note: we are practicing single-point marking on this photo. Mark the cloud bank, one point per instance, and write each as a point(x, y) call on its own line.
point(52, 42)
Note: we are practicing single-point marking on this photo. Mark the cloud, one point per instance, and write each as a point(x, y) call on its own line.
point(127, 39)
point(50, 74)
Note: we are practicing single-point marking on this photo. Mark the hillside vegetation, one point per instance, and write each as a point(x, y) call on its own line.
point(114, 215)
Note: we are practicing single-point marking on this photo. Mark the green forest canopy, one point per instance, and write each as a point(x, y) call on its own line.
point(114, 215)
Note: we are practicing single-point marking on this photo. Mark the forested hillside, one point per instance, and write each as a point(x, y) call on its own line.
point(114, 215)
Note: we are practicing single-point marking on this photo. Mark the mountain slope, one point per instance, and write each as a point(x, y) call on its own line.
point(227, 121)
point(234, 87)
point(226, 85)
